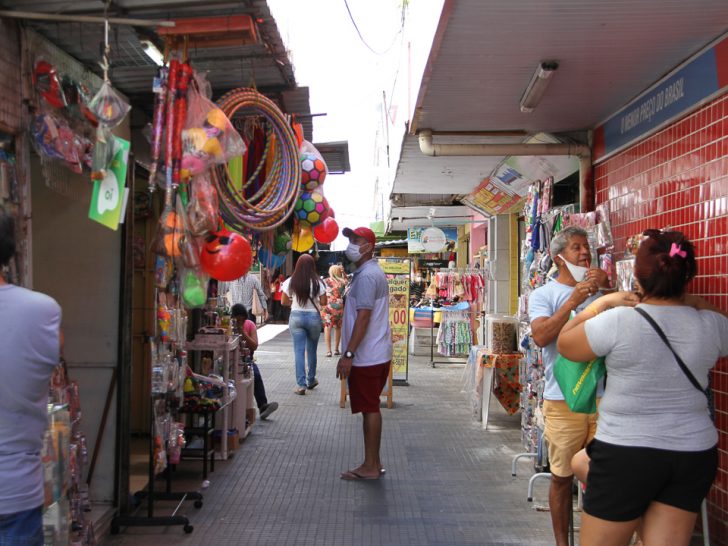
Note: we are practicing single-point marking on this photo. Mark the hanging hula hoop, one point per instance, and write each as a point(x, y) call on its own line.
point(273, 203)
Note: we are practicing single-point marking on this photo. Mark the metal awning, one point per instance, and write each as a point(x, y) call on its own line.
point(264, 64)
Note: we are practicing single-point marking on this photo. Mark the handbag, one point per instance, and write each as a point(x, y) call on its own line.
point(578, 382)
point(257, 306)
point(708, 392)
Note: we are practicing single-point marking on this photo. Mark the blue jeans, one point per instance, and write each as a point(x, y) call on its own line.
point(305, 330)
point(22, 528)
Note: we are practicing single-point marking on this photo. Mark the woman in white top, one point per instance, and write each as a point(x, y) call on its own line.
point(655, 453)
point(305, 294)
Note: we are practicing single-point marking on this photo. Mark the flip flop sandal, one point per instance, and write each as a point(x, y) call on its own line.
point(355, 476)
point(328, 355)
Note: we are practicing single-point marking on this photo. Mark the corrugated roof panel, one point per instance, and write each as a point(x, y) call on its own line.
point(265, 65)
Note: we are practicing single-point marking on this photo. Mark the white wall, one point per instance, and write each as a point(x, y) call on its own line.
point(77, 262)
point(499, 249)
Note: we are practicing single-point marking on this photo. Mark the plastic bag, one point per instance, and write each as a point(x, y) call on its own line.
point(208, 138)
point(203, 207)
point(108, 106)
point(53, 138)
point(578, 382)
point(194, 288)
point(105, 148)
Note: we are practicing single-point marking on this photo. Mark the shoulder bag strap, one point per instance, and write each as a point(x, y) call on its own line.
point(683, 367)
point(313, 302)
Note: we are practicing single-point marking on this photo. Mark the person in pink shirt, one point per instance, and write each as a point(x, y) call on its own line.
point(249, 333)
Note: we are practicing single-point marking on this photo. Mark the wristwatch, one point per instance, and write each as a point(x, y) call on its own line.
point(348, 354)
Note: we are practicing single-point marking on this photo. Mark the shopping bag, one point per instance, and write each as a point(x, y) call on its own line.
point(257, 309)
point(578, 382)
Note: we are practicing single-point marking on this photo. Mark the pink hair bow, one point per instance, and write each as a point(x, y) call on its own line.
point(677, 249)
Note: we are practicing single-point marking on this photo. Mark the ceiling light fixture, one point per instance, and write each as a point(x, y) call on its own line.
point(152, 52)
point(537, 86)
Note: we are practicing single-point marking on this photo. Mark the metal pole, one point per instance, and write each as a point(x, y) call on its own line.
point(85, 19)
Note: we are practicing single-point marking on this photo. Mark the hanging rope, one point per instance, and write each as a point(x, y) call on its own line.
point(273, 202)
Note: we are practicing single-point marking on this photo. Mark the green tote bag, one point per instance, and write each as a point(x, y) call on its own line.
point(578, 382)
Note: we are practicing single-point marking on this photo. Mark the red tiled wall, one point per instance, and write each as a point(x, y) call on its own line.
point(10, 91)
point(678, 178)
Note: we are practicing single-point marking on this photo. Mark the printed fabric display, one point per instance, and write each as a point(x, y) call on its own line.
point(454, 336)
point(506, 386)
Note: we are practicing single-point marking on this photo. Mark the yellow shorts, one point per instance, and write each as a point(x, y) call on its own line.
point(566, 433)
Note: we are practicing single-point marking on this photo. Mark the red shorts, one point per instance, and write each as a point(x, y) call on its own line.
point(365, 387)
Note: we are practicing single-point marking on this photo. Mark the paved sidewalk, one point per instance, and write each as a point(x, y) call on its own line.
point(448, 482)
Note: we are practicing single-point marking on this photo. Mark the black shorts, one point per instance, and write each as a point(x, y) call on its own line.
point(623, 480)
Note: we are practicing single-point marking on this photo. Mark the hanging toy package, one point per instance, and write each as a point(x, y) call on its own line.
point(209, 138)
point(203, 207)
point(193, 281)
point(105, 147)
point(108, 106)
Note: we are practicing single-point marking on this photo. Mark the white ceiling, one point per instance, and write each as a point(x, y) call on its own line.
point(417, 173)
point(420, 217)
point(485, 52)
point(608, 52)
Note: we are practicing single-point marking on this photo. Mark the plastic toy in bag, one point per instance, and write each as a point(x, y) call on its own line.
point(109, 106)
point(189, 254)
point(47, 84)
point(170, 233)
point(209, 138)
point(194, 288)
point(105, 147)
point(163, 271)
point(203, 207)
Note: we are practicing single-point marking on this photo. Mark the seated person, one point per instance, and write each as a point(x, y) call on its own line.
point(249, 334)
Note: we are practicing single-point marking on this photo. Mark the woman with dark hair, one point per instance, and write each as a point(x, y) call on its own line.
point(249, 333)
point(655, 455)
point(305, 294)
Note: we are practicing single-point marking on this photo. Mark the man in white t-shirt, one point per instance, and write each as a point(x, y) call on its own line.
point(549, 308)
point(367, 343)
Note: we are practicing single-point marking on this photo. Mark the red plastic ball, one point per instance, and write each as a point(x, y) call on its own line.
point(226, 256)
point(327, 231)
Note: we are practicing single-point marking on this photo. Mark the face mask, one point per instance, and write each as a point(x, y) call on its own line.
point(353, 253)
point(578, 272)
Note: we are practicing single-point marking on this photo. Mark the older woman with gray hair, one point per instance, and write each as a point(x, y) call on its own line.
point(549, 308)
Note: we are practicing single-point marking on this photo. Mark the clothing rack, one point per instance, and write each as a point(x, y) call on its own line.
point(451, 360)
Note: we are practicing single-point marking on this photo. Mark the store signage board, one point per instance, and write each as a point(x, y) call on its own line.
point(518, 172)
point(420, 240)
point(108, 198)
point(490, 199)
point(398, 280)
point(689, 86)
point(432, 264)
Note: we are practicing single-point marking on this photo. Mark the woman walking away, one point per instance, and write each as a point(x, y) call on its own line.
point(333, 311)
point(655, 454)
point(306, 295)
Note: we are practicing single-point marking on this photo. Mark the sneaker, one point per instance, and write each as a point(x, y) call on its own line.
point(266, 410)
point(313, 385)
point(300, 390)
